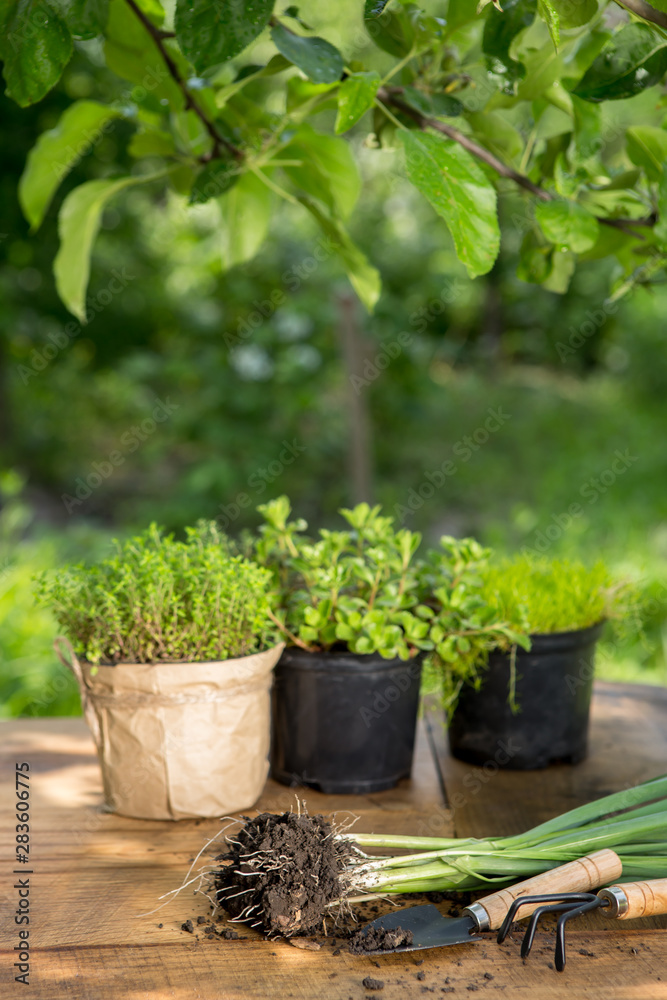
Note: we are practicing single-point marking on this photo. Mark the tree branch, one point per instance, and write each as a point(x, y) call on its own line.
point(644, 10)
point(390, 95)
point(158, 36)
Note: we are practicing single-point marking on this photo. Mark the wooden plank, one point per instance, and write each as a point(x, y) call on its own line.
point(82, 855)
point(95, 871)
point(628, 744)
point(202, 970)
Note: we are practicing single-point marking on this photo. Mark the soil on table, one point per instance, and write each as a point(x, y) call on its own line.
point(281, 872)
point(379, 939)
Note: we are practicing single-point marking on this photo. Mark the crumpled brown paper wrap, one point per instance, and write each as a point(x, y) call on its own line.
point(177, 740)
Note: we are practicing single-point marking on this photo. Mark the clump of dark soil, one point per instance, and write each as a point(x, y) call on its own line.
point(372, 984)
point(379, 939)
point(281, 873)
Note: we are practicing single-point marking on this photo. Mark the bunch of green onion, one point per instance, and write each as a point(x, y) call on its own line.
point(632, 822)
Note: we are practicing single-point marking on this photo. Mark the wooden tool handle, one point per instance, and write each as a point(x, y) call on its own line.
point(636, 899)
point(582, 875)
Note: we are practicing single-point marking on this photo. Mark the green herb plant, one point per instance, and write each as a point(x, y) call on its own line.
point(556, 595)
point(354, 589)
point(364, 590)
point(466, 624)
point(497, 605)
point(159, 600)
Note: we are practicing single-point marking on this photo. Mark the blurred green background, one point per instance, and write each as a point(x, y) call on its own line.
point(196, 384)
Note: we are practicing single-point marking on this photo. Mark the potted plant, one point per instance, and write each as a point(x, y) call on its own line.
point(173, 648)
point(347, 685)
point(522, 700)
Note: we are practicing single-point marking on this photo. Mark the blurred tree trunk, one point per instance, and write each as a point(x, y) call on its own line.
point(5, 419)
point(359, 422)
point(491, 341)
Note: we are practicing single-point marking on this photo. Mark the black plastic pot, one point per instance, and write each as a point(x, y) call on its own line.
point(343, 722)
point(554, 682)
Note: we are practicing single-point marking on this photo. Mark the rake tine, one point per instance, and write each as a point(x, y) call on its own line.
point(529, 936)
point(568, 897)
point(574, 911)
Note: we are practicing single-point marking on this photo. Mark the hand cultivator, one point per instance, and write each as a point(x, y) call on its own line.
point(625, 901)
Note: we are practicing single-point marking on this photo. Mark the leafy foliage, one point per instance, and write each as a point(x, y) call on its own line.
point(543, 595)
point(355, 588)
point(480, 102)
point(499, 604)
point(364, 590)
point(468, 625)
point(157, 600)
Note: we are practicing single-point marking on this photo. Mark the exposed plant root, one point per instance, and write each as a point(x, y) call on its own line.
point(283, 873)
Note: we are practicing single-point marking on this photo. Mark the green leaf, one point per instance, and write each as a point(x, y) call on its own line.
point(572, 13)
point(131, 53)
point(151, 142)
point(391, 33)
point(567, 224)
point(498, 135)
point(534, 259)
point(373, 8)
point(582, 55)
point(432, 104)
point(660, 228)
point(35, 46)
point(459, 190)
point(460, 12)
point(647, 148)
point(246, 212)
point(213, 31)
point(78, 224)
point(364, 278)
point(562, 269)
point(54, 154)
point(329, 170)
point(500, 29)
point(355, 97)
point(544, 65)
point(317, 58)
point(213, 180)
point(635, 58)
point(85, 18)
point(549, 13)
point(587, 128)
point(445, 106)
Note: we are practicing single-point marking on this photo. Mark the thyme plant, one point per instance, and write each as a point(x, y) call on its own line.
point(159, 600)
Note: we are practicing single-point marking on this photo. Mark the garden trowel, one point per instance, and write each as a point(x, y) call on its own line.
point(431, 930)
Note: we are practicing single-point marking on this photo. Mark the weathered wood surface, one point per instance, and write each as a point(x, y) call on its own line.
point(94, 873)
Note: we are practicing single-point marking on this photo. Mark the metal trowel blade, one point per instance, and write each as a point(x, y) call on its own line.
point(429, 929)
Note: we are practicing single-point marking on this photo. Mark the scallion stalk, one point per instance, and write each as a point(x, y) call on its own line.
point(632, 822)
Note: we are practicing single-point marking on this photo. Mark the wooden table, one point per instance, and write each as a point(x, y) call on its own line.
point(92, 873)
